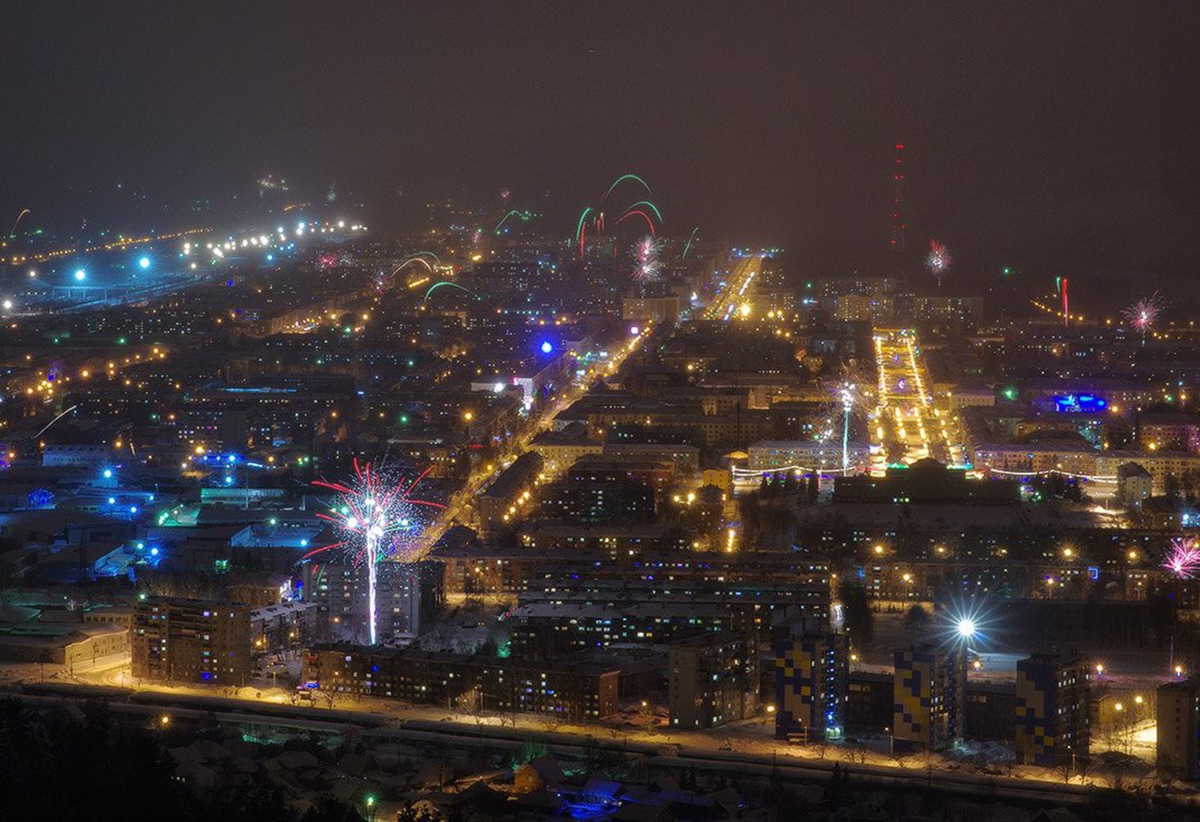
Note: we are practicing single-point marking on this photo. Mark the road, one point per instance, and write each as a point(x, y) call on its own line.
point(458, 506)
point(736, 286)
point(725, 750)
point(908, 424)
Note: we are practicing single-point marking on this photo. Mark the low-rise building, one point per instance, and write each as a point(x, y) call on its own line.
point(61, 643)
point(546, 629)
point(292, 624)
point(498, 505)
point(568, 690)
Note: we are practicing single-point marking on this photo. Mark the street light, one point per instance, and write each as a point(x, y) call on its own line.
point(966, 628)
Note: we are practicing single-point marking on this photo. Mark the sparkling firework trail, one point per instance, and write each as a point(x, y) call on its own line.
point(581, 228)
point(939, 260)
point(56, 419)
point(525, 216)
point(436, 286)
point(375, 518)
point(638, 212)
point(24, 211)
point(651, 206)
point(851, 394)
point(688, 246)
point(415, 258)
point(621, 179)
point(1183, 559)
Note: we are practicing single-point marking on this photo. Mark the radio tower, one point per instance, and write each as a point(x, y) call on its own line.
point(898, 225)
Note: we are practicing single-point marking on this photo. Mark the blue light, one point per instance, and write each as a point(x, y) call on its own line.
point(153, 552)
point(108, 473)
point(547, 347)
point(144, 262)
point(133, 509)
point(228, 480)
point(80, 275)
point(112, 500)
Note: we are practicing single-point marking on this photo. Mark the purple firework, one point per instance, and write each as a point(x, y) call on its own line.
point(1183, 559)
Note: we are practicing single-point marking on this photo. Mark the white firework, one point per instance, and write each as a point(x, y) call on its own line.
point(647, 265)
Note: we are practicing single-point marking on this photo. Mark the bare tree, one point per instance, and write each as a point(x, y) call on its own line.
point(552, 720)
point(859, 753)
point(470, 702)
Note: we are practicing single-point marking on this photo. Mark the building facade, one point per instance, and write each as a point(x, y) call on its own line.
point(571, 691)
point(811, 679)
point(929, 694)
point(191, 640)
point(712, 680)
point(1178, 715)
point(1052, 708)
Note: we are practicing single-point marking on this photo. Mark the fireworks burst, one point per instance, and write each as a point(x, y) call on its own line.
point(591, 220)
point(850, 396)
point(1183, 559)
point(939, 260)
point(376, 518)
point(1144, 313)
point(647, 265)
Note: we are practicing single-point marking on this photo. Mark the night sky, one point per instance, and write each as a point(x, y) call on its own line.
point(1032, 129)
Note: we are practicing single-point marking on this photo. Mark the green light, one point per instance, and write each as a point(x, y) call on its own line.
point(657, 213)
point(370, 801)
point(404, 419)
point(1007, 271)
point(617, 182)
point(1010, 393)
point(120, 340)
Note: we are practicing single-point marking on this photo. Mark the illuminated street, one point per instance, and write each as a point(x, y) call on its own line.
point(432, 412)
point(908, 424)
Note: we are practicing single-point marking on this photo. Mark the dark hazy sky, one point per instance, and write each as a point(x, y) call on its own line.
point(1033, 128)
